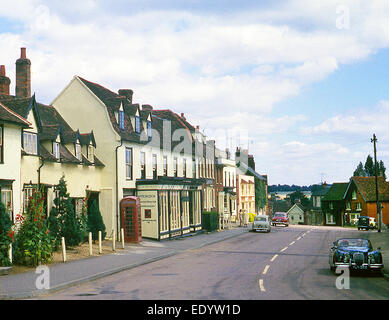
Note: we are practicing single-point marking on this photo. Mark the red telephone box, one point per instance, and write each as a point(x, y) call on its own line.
point(131, 219)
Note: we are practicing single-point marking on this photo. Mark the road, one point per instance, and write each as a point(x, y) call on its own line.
point(290, 263)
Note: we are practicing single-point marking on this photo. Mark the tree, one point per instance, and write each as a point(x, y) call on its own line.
point(368, 170)
point(381, 169)
point(6, 235)
point(298, 195)
point(63, 221)
point(95, 221)
point(369, 166)
point(359, 171)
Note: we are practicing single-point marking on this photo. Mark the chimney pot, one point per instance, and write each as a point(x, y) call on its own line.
point(2, 71)
point(23, 53)
point(147, 107)
point(198, 127)
point(183, 115)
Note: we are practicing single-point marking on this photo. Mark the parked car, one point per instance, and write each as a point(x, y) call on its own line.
point(355, 253)
point(261, 223)
point(280, 218)
point(372, 222)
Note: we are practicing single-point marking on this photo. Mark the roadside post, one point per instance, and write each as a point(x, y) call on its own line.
point(122, 237)
point(90, 244)
point(100, 249)
point(63, 249)
point(10, 253)
point(113, 241)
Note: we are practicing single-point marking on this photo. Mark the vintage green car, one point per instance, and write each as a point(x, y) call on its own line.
point(364, 223)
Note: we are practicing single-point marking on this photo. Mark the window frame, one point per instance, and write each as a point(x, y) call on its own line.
point(121, 119)
point(30, 142)
point(143, 164)
point(137, 124)
point(155, 166)
point(129, 163)
point(56, 150)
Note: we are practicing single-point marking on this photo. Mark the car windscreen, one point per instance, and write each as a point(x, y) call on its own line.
point(353, 243)
point(261, 219)
point(279, 215)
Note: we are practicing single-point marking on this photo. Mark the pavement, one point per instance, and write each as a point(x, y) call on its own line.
point(63, 275)
point(381, 240)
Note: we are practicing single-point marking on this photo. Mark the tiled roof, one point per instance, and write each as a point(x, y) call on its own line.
point(66, 156)
point(366, 186)
point(9, 116)
point(320, 190)
point(46, 155)
point(113, 101)
point(336, 192)
point(50, 123)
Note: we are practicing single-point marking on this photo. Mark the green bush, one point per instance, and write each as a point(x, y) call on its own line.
point(95, 221)
point(63, 221)
point(33, 244)
point(209, 220)
point(6, 236)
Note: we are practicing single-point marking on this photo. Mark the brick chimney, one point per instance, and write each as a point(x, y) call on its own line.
point(183, 116)
point(23, 76)
point(128, 93)
point(4, 81)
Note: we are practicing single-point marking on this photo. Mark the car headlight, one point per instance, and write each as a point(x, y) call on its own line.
point(346, 258)
point(371, 259)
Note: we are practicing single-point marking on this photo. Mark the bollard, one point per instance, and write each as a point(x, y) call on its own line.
point(100, 250)
point(122, 237)
point(114, 241)
point(90, 244)
point(63, 250)
point(10, 253)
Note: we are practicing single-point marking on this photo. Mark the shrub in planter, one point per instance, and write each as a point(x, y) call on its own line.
point(33, 244)
point(6, 236)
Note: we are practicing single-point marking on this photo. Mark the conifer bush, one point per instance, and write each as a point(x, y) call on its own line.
point(95, 221)
point(63, 221)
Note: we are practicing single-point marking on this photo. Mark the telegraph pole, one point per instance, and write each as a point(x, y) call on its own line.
point(374, 140)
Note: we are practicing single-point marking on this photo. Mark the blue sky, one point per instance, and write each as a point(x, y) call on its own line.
point(306, 91)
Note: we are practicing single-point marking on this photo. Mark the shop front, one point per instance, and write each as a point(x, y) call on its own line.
point(170, 207)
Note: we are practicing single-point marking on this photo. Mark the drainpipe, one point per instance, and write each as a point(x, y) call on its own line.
point(39, 173)
point(117, 186)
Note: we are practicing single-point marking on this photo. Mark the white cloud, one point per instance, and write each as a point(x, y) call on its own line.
point(225, 71)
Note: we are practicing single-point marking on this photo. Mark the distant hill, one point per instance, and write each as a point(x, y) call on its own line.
point(286, 187)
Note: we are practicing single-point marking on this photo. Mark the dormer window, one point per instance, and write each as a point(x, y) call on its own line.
point(30, 142)
point(77, 148)
point(56, 152)
point(121, 120)
point(137, 124)
point(149, 129)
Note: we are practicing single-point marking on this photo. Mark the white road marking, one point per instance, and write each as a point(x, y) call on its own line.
point(298, 238)
point(266, 269)
point(283, 249)
point(293, 242)
point(274, 258)
point(261, 285)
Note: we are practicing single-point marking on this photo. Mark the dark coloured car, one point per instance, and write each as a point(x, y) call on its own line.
point(355, 253)
point(280, 218)
point(363, 223)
